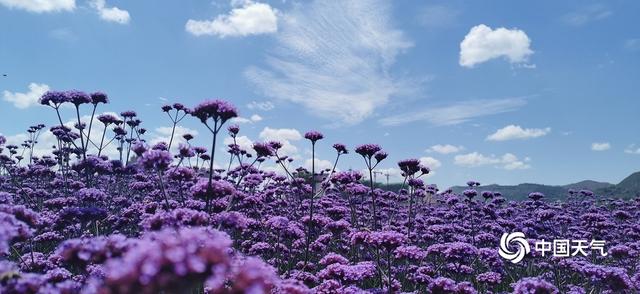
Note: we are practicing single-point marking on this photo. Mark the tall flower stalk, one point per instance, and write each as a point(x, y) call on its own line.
point(312, 136)
point(410, 169)
point(370, 152)
point(96, 98)
point(106, 120)
point(219, 112)
point(78, 98)
point(177, 116)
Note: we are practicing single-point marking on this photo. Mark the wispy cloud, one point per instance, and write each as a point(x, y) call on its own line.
point(264, 106)
point(445, 149)
point(333, 58)
point(243, 120)
point(587, 14)
point(600, 146)
point(456, 113)
point(515, 132)
point(632, 149)
point(436, 16)
point(508, 161)
point(632, 44)
point(63, 34)
point(40, 6)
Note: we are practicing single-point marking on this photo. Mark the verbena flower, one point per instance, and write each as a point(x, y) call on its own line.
point(169, 260)
point(78, 98)
point(218, 110)
point(313, 136)
point(99, 97)
point(54, 98)
point(156, 159)
point(534, 285)
point(340, 148)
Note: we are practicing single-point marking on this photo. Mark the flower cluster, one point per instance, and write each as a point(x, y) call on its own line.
point(161, 218)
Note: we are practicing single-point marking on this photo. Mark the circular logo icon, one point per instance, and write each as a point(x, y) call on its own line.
point(515, 238)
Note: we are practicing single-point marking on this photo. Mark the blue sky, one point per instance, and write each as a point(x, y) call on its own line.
point(543, 92)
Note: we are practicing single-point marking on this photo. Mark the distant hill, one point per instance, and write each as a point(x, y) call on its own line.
point(521, 191)
point(589, 185)
point(627, 188)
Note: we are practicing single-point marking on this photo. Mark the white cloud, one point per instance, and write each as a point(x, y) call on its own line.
point(40, 6)
point(320, 164)
point(256, 118)
point(430, 162)
point(587, 14)
point(240, 120)
point(632, 149)
point(475, 159)
point(251, 18)
point(333, 58)
point(507, 161)
point(28, 99)
point(456, 113)
point(600, 146)
point(111, 14)
point(514, 132)
point(482, 44)
point(284, 136)
point(280, 134)
point(243, 120)
point(511, 162)
point(264, 106)
point(445, 149)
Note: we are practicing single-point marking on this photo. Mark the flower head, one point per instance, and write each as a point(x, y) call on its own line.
point(368, 150)
point(380, 156)
point(156, 159)
point(534, 285)
point(218, 110)
point(168, 261)
point(99, 97)
point(313, 136)
point(78, 97)
point(409, 166)
point(470, 193)
point(340, 148)
point(263, 149)
point(166, 108)
point(107, 119)
point(219, 189)
point(54, 98)
point(233, 130)
point(535, 196)
point(128, 114)
point(473, 183)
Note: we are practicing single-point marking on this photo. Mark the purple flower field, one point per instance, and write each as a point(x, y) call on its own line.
point(149, 220)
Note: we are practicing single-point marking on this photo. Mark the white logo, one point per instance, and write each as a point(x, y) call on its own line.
point(518, 238)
